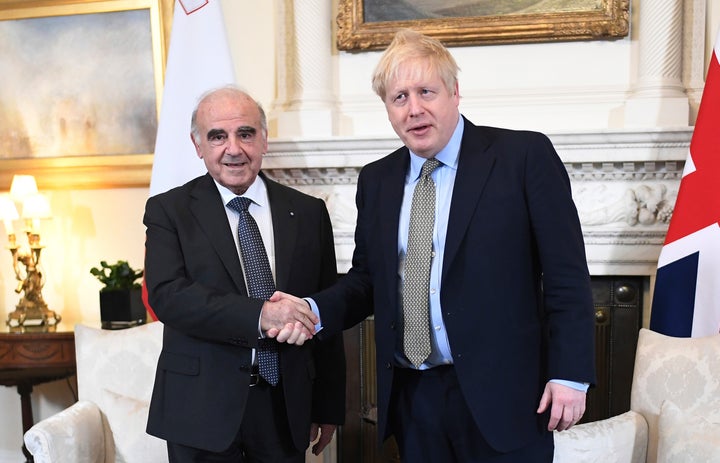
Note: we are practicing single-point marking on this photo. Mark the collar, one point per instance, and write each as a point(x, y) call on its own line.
point(257, 192)
point(448, 156)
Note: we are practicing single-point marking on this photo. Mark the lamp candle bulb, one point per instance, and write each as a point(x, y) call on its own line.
point(9, 226)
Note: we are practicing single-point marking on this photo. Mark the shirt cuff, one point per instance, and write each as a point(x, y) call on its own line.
point(577, 386)
point(259, 327)
point(316, 311)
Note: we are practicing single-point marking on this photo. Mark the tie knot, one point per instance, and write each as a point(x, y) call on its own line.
point(429, 166)
point(239, 203)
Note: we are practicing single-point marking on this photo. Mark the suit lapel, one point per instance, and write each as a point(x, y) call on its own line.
point(389, 202)
point(285, 229)
point(474, 165)
point(206, 206)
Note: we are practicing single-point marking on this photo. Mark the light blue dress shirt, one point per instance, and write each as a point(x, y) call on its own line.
point(444, 178)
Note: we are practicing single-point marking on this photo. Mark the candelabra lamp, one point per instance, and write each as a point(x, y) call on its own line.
point(31, 312)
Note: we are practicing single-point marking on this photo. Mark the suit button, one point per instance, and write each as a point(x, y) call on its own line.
point(392, 325)
point(388, 366)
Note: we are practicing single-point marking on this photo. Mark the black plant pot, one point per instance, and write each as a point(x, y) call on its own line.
point(122, 308)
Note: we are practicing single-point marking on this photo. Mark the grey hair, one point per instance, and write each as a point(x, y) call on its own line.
point(230, 89)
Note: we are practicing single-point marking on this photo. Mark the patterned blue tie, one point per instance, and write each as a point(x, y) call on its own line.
point(259, 282)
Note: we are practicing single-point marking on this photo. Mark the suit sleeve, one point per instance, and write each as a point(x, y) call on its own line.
point(329, 352)
point(350, 301)
point(567, 297)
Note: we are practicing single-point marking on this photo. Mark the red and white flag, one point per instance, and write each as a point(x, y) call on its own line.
point(686, 300)
point(198, 60)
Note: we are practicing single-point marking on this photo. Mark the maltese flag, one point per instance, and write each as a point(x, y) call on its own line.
point(686, 300)
point(198, 60)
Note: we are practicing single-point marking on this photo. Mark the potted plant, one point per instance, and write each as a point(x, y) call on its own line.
point(121, 303)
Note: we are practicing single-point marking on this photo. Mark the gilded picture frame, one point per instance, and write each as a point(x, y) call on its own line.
point(370, 24)
point(95, 169)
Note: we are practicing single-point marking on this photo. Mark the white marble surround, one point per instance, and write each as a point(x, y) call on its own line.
point(624, 184)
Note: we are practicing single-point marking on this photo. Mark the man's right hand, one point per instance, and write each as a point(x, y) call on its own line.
point(288, 319)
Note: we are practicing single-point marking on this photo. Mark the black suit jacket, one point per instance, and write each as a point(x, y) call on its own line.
point(196, 287)
point(515, 292)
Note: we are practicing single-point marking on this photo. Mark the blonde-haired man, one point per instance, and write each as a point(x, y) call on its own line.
point(484, 334)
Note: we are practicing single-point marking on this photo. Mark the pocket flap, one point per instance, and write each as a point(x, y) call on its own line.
point(179, 363)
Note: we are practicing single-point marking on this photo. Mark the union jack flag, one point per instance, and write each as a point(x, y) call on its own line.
point(686, 300)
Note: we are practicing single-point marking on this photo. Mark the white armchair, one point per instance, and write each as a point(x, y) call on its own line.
point(674, 412)
point(115, 373)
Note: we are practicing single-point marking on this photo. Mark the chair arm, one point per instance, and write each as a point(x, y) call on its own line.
point(74, 435)
point(619, 439)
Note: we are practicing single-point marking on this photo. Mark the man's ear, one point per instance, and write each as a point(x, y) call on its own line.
point(197, 147)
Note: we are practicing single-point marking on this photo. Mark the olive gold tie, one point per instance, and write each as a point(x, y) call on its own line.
point(416, 282)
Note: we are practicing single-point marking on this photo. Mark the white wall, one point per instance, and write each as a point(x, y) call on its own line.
point(513, 86)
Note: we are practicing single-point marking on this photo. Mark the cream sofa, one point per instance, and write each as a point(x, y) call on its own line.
point(674, 416)
point(115, 373)
point(674, 412)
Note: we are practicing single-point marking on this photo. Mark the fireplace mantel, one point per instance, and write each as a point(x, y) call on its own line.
point(624, 184)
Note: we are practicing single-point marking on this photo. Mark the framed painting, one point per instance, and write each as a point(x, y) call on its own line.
point(81, 90)
point(371, 24)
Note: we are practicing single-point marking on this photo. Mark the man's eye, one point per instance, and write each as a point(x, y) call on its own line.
point(217, 139)
point(246, 136)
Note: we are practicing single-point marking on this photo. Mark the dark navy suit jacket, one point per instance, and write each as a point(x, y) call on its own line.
point(515, 292)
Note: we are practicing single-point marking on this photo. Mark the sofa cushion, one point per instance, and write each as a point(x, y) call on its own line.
point(685, 437)
point(75, 435)
point(619, 439)
point(116, 371)
point(683, 370)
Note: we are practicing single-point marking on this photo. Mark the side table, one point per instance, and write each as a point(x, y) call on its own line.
point(31, 358)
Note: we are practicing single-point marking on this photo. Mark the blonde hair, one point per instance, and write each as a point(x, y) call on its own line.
point(409, 45)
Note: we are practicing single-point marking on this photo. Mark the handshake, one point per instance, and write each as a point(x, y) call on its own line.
point(288, 319)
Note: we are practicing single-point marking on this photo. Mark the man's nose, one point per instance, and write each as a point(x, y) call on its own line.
point(415, 105)
point(234, 144)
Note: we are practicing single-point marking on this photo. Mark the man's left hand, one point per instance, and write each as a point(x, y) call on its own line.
point(568, 406)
